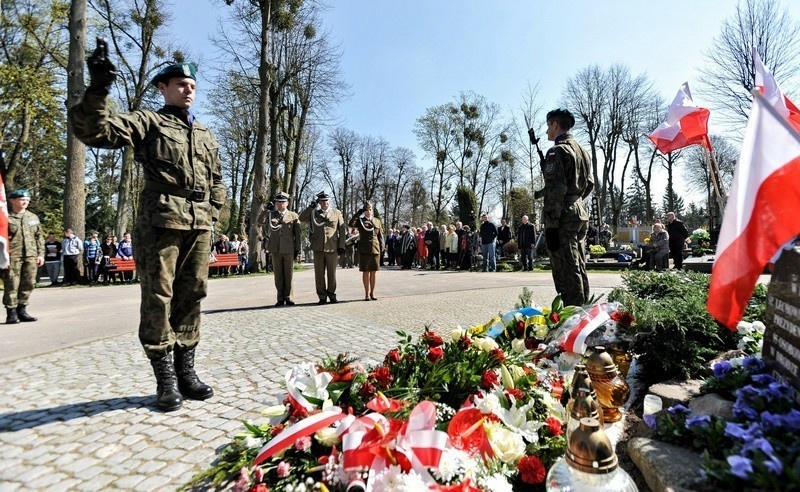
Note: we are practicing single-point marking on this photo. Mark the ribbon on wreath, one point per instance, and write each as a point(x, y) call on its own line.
point(575, 339)
point(302, 428)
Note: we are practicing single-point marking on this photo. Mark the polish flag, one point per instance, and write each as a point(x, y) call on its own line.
point(5, 260)
point(575, 339)
point(762, 214)
point(687, 124)
point(766, 84)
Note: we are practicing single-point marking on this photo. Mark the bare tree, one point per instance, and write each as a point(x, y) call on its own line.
point(696, 174)
point(728, 75)
point(340, 176)
point(436, 136)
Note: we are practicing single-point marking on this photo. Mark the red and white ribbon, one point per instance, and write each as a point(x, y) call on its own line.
point(575, 340)
point(302, 428)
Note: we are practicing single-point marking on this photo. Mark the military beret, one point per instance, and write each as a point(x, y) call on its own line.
point(323, 196)
point(281, 197)
point(20, 194)
point(182, 70)
point(562, 113)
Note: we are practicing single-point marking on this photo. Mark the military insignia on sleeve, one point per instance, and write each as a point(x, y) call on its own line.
point(550, 167)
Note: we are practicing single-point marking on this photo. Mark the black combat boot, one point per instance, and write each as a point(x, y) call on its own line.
point(167, 393)
point(23, 314)
point(188, 382)
point(11, 316)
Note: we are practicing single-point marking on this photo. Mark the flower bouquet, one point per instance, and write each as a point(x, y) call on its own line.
point(479, 411)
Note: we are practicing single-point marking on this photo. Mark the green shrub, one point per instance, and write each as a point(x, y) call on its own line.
point(681, 337)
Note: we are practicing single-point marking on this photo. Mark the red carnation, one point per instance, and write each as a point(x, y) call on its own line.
point(435, 354)
point(383, 377)
point(489, 379)
point(554, 425)
point(516, 393)
point(393, 357)
point(624, 320)
point(519, 329)
point(367, 390)
point(432, 339)
point(464, 343)
point(497, 355)
point(531, 470)
point(531, 343)
point(555, 317)
point(275, 430)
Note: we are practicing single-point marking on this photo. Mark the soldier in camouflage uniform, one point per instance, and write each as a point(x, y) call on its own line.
point(328, 235)
point(283, 230)
point(568, 181)
point(182, 195)
point(26, 254)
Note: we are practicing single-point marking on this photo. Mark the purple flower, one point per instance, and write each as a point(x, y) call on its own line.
point(771, 421)
point(734, 430)
point(650, 421)
point(743, 411)
point(791, 419)
point(753, 364)
point(762, 379)
point(778, 391)
point(700, 421)
point(774, 465)
point(679, 409)
point(740, 466)
point(722, 368)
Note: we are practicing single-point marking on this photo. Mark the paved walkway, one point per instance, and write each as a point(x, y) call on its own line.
point(76, 409)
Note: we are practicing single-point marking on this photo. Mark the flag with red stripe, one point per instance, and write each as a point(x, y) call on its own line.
point(687, 124)
point(575, 339)
point(762, 214)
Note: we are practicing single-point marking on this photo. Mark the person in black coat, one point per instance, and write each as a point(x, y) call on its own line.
point(526, 238)
point(678, 237)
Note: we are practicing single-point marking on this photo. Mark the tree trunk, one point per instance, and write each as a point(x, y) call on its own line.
point(260, 164)
point(74, 188)
point(124, 191)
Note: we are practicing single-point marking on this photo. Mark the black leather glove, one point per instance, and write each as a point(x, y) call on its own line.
point(102, 73)
point(340, 251)
point(270, 205)
point(551, 238)
point(532, 136)
point(313, 204)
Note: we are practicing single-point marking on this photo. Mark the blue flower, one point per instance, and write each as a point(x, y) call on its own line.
point(734, 430)
point(679, 409)
point(777, 391)
point(722, 368)
point(774, 465)
point(771, 421)
point(740, 466)
point(762, 379)
point(753, 364)
point(792, 419)
point(701, 421)
point(743, 411)
point(650, 421)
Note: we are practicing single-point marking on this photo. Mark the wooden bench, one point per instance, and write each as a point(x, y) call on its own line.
point(224, 262)
point(120, 265)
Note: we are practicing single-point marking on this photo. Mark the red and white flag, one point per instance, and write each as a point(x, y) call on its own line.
point(762, 214)
point(766, 84)
point(575, 339)
point(5, 260)
point(687, 124)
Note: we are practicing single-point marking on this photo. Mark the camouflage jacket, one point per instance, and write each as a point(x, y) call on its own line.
point(25, 236)
point(183, 182)
point(567, 181)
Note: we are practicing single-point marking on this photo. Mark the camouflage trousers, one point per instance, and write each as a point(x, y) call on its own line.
point(18, 281)
point(568, 263)
point(173, 273)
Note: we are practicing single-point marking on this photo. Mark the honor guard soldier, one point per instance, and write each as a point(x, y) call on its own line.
point(567, 182)
point(284, 245)
point(26, 255)
point(370, 247)
point(181, 198)
point(328, 235)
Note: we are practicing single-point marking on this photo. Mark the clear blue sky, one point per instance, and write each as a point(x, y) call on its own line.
point(401, 57)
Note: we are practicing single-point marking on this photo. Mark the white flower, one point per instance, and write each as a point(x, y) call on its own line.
point(252, 442)
point(540, 331)
point(518, 345)
point(516, 419)
point(452, 465)
point(305, 379)
point(486, 344)
point(489, 403)
point(508, 446)
point(327, 436)
point(736, 361)
point(759, 327)
point(744, 341)
point(744, 328)
point(393, 479)
point(496, 483)
point(458, 334)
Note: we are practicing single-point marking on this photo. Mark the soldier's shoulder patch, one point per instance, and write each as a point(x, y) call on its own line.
point(550, 167)
point(33, 222)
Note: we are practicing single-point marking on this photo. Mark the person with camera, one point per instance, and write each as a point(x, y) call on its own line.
point(283, 230)
point(567, 182)
point(180, 200)
point(370, 247)
point(328, 236)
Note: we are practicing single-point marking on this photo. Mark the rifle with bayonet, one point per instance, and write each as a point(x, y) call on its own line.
point(535, 142)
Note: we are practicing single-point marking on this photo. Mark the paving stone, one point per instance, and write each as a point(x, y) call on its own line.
point(665, 466)
point(128, 482)
point(155, 482)
point(47, 480)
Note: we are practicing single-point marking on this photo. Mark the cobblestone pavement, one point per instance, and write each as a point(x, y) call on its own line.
point(82, 417)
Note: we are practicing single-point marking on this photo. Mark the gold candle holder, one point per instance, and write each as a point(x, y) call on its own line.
point(612, 390)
